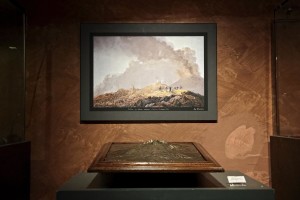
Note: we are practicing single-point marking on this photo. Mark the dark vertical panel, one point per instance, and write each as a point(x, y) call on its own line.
point(285, 165)
point(12, 83)
point(15, 171)
point(288, 76)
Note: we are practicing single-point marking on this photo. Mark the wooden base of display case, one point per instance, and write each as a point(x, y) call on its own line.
point(154, 156)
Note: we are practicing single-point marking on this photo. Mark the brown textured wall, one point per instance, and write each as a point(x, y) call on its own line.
point(62, 147)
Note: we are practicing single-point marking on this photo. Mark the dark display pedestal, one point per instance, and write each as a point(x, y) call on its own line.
point(162, 186)
point(15, 171)
point(285, 165)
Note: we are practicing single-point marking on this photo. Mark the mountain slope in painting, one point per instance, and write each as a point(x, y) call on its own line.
point(153, 96)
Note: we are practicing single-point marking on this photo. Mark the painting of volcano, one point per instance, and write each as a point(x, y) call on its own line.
point(140, 72)
point(148, 73)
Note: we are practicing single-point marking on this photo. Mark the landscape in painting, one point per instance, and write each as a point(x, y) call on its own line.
point(148, 73)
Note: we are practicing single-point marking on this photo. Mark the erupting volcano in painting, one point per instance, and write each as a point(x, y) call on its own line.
point(148, 73)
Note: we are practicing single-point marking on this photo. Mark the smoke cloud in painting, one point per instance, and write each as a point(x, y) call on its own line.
point(137, 62)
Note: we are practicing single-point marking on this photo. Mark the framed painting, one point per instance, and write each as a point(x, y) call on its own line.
point(148, 72)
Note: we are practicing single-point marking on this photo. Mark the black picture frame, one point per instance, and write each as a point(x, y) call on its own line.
point(89, 113)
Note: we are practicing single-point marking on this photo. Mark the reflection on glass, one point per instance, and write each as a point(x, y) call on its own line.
point(11, 73)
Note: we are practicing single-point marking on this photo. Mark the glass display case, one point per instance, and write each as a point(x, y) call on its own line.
point(14, 149)
point(286, 59)
point(12, 79)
